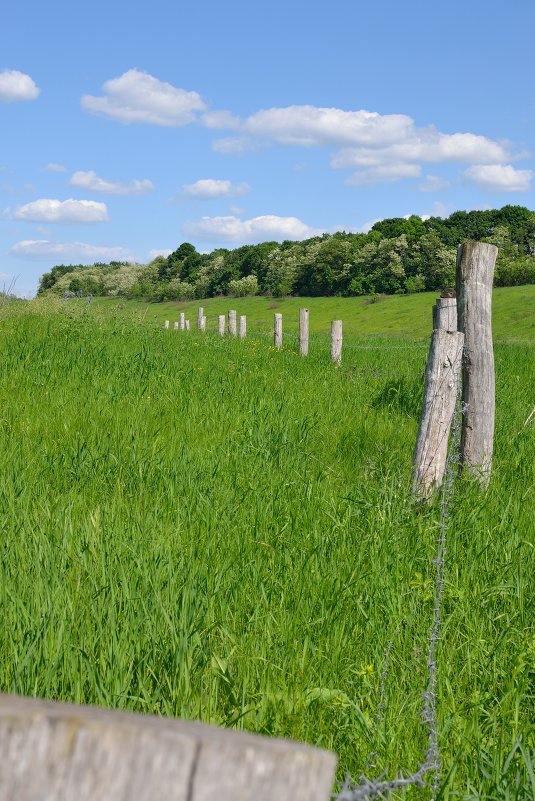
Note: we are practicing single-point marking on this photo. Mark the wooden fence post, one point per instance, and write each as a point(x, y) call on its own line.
point(221, 325)
point(186, 323)
point(445, 314)
point(175, 326)
point(336, 341)
point(277, 331)
point(202, 323)
point(232, 322)
point(65, 751)
point(243, 326)
point(475, 272)
point(182, 321)
point(200, 315)
point(303, 332)
point(440, 394)
point(166, 324)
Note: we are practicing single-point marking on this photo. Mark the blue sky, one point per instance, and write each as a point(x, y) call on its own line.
point(128, 128)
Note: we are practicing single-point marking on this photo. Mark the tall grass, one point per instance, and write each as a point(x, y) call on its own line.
point(209, 529)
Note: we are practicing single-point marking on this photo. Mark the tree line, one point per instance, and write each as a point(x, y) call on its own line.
point(397, 256)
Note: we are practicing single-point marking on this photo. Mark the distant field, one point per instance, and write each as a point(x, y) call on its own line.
point(405, 316)
point(206, 528)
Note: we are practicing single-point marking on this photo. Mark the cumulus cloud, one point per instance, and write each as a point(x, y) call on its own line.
point(91, 181)
point(209, 188)
point(53, 166)
point(433, 183)
point(499, 178)
point(384, 173)
point(424, 145)
point(78, 252)
point(16, 87)
point(60, 211)
point(256, 229)
point(139, 97)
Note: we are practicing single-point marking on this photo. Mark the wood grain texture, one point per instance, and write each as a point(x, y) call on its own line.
point(440, 394)
point(232, 322)
point(243, 326)
point(475, 273)
point(445, 314)
point(221, 322)
point(200, 315)
point(63, 752)
point(336, 341)
point(277, 331)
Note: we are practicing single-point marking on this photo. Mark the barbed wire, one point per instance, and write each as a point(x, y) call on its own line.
point(369, 789)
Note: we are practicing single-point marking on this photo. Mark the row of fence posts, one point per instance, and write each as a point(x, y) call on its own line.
point(230, 323)
point(461, 351)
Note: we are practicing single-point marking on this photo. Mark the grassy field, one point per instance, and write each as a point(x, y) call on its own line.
point(207, 528)
point(400, 316)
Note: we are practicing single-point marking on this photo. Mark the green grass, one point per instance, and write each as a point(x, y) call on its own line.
point(209, 529)
point(399, 316)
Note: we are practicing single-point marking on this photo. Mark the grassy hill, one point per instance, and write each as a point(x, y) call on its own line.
point(399, 316)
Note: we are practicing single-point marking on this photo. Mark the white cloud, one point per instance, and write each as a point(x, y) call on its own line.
point(159, 252)
point(90, 180)
point(53, 166)
point(139, 97)
point(424, 145)
point(220, 120)
point(312, 126)
point(500, 178)
point(60, 211)
point(433, 183)
point(68, 251)
point(367, 226)
point(209, 188)
point(16, 86)
point(257, 229)
point(384, 173)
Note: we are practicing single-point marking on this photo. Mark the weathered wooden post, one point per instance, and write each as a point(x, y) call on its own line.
point(200, 315)
point(166, 324)
point(175, 326)
point(186, 322)
point(277, 331)
point(221, 325)
point(182, 321)
point(243, 326)
point(53, 751)
point(232, 322)
point(445, 314)
point(336, 341)
point(440, 394)
point(202, 323)
point(475, 272)
point(303, 332)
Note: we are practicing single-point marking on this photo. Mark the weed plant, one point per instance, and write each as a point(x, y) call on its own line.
point(206, 528)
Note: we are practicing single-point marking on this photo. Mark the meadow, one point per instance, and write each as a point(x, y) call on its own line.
point(207, 528)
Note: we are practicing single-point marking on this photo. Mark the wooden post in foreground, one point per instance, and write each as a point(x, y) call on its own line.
point(336, 341)
point(243, 326)
point(232, 322)
point(277, 331)
point(475, 272)
point(445, 314)
point(56, 751)
point(200, 315)
point(175, 326)
point(221, 325)
point(186, 323)
point(182, 321)
point(440, 394)
point(202, 323)
point(303, 332)
point(166, 324)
